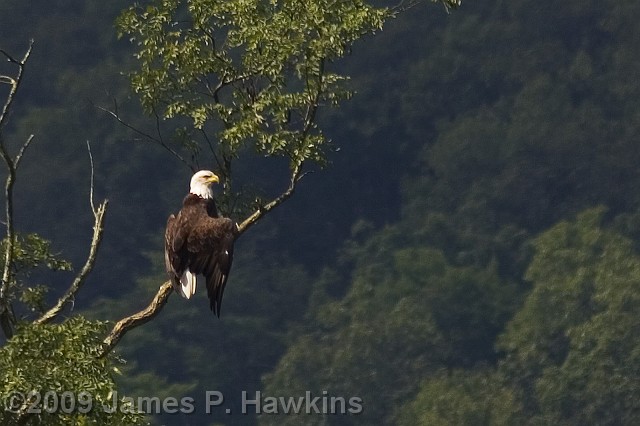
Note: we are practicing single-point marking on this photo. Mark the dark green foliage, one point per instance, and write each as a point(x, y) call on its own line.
point(463, 398)
point(539, 130)
point(574, 344)
point(407, 313)
point(527, 130)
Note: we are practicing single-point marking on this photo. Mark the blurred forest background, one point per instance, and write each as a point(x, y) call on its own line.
point(469, 256)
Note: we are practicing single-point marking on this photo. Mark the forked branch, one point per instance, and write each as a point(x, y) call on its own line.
point(158, 140)
point(96, 239)
point(7, 318)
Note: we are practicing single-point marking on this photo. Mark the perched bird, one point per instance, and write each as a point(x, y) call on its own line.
point(199, 241)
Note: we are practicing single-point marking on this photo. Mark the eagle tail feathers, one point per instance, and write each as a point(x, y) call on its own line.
point(187, 284)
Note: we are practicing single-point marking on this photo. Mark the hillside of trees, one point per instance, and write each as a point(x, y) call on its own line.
point(469, 255)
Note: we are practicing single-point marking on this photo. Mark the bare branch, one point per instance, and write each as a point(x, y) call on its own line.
point(77, 283)
point(14, 82)
point(147, 136)
point(9, 57)
point(263, 210)
point(405, 5)
point(137, 319)
point(5, 79)
point(93, 207)
point(96, 239)
point(23, 148)
point(7, 318)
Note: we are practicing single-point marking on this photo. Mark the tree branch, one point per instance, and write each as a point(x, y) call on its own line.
point(7, 318)
point(23, 148)
point(137, 319)
point(69, 295)
point(405, 5)
point(96, 239)
point(14, 82)
point(156, 140)
point(263, 210)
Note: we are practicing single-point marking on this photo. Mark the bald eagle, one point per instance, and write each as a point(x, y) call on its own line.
point(199, 241)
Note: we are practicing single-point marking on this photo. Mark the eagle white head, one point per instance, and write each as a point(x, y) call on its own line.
point(201, 183)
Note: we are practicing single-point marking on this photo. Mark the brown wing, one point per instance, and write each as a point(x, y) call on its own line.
point(176, 255)
point(210, 247)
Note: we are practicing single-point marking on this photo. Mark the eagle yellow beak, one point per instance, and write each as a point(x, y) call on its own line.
point(214, 179)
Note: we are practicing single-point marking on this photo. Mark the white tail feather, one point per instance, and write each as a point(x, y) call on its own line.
point(188, 284)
